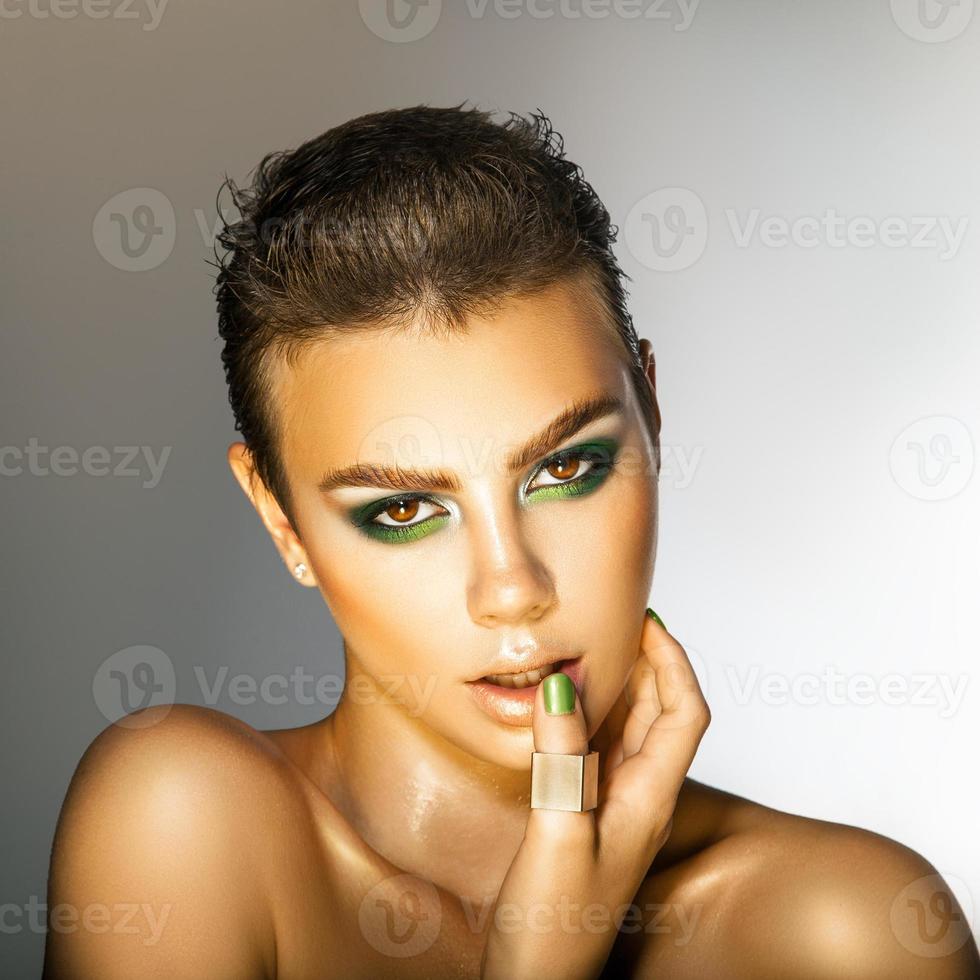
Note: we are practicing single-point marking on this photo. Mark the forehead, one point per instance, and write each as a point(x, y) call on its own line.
point(401, 396)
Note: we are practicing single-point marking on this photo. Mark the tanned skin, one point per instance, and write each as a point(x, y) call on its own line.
point(279, 853)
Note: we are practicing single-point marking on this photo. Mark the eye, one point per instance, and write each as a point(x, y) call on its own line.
point(575, 472)
point(567, 467)
point(398, 519)
point(569, 473)
point(402, 512)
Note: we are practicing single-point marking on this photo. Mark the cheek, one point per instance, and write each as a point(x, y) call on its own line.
point(378, 606)
point(608, 586)
point(610, 562)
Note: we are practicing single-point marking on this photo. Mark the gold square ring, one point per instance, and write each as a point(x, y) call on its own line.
point(563, 781)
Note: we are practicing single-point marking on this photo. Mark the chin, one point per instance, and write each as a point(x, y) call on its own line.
point(506, 747)
point(518, 761)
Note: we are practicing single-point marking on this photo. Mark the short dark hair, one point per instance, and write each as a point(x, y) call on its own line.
point(421, 212)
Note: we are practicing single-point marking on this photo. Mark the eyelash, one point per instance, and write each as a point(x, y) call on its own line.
point(602, 456)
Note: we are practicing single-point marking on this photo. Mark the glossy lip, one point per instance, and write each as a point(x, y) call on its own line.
point(544, 658)
point(514, 707)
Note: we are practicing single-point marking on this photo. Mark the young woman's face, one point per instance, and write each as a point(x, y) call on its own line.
point(433, 586)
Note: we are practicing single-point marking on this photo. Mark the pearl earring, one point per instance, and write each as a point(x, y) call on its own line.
point(299, 570)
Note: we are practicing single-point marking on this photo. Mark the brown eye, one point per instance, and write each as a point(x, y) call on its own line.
point(563, 467)
point(402, 513)
point(402, 510)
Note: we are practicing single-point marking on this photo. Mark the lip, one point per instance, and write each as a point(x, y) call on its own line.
point(515, 707)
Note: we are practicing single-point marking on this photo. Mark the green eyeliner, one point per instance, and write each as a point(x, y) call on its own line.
point(363, 518)
point(397, 535)
point(601, 453)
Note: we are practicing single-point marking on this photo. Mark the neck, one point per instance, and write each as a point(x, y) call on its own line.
point(426, 805)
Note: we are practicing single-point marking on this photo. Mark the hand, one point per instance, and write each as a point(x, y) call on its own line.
point(569, 860)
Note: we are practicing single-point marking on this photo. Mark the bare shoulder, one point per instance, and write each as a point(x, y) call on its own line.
point(818, 898)
point(772, 894)
point(157, 862)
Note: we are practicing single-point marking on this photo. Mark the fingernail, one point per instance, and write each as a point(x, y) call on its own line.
point(559, 694)
point(655, 617)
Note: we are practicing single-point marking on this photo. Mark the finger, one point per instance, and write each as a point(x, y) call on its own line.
point(564, 731)
point(613, 758)
point(643, 700)
point(669, 679)
point(611, 727)
point(632, 714)
point(608, 738)
point(671, 741)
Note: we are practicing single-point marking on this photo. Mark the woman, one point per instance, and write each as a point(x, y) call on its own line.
point(450, 429)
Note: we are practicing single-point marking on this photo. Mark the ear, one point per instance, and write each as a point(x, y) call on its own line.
point(272, 515)
point(650, 370)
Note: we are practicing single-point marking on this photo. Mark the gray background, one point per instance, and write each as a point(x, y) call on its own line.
point(824, 399)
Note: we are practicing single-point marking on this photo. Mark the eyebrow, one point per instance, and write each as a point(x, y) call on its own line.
point(577, 416)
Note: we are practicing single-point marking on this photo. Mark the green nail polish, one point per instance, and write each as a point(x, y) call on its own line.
point(655, 617)
point(559, 694)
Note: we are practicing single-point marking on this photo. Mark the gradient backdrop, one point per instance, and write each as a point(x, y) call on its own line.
point(797, 187)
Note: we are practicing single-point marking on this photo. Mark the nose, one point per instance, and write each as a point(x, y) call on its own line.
point(510, 584)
